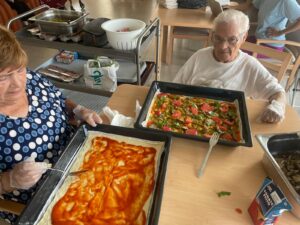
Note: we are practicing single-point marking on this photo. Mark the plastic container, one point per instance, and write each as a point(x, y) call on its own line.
point(122, 34)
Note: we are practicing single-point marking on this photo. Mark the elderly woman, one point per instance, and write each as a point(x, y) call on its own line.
point(224, 65)
point(33, 122)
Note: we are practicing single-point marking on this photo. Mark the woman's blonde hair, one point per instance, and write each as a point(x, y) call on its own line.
point(11, 52)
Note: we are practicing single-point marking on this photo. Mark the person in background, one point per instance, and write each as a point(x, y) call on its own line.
point(273, 17)
point(34, 123)
point(224, 65)
point(19, 5)
point(59, 4)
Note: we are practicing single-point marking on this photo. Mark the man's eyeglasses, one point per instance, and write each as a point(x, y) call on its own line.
point(232, 41)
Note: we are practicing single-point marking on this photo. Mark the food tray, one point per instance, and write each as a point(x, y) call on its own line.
point(34, 211)
point(196, 91)
point(125, 74)
point(56, 21)
point(273, 144)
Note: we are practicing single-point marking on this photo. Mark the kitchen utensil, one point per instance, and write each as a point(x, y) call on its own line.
point(74, 173)
point(212, 142)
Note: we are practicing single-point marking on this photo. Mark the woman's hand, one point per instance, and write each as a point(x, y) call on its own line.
point(24, 175)
point(274, 112)
point(87, 115)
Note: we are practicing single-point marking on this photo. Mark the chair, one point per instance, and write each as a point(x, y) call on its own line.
point(277, 61)
point(199, 34)
point(7, 13)
point(295, 63)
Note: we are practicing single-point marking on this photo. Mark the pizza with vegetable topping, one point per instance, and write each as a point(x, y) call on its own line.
point(195, 116)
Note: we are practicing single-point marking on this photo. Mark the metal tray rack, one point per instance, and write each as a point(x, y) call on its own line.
point(213, 93)
point(45, 194)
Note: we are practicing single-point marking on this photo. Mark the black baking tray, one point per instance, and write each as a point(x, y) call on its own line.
point(198, 91)
point(45, 194)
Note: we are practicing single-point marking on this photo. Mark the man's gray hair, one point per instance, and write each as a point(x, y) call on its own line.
point(231, 16)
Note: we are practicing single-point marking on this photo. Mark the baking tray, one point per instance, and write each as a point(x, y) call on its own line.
point(197, 91)
point(273, 144)
point(125, 74)
point(46, 193)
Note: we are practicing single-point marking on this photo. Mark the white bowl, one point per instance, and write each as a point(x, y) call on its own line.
point(120, 39)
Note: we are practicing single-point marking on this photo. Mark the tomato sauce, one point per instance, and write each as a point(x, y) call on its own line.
point(119, 180)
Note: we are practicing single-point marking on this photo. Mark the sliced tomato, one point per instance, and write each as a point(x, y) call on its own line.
point(227, 137)
point(158, 112)
point(229, 122)
point(166, 128)
point(224, 108)
point(188, 120)
point(162, 94)
point(191, 131)
point(217, 119)
point(176, 114)
point(177, 102)
point(206, 107)
point(222, 128)
point(149, 123)
point(194, 110)
point(164, 105)
point(237, 136)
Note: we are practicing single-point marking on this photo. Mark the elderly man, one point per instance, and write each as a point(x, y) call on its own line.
point(224, 65)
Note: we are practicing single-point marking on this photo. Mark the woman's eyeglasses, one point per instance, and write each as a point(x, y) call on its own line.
point(232, 41)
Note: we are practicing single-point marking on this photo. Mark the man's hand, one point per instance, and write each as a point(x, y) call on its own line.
point(272, 32)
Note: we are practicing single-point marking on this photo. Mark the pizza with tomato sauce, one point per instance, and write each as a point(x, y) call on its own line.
point(195, 116)
point(116, 187)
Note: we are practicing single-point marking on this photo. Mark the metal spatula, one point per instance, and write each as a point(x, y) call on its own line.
point(212, 142)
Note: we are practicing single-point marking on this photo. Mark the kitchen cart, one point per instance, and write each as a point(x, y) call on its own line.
point(134, 56)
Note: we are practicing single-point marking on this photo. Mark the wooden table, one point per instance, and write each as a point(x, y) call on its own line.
point(195, 18)
point(188, 200)
point(192, 18)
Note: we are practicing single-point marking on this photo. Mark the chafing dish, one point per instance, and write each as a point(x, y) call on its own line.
point(274, 144)
point(57, 22)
